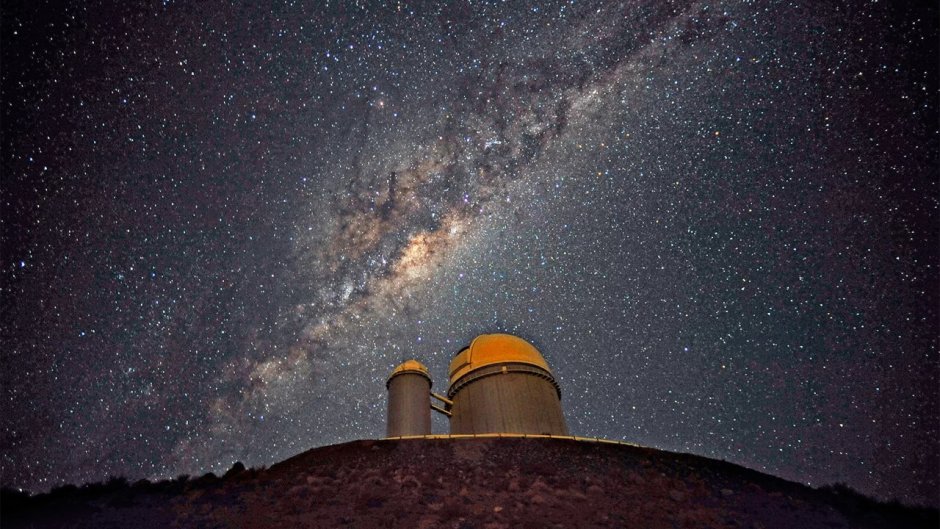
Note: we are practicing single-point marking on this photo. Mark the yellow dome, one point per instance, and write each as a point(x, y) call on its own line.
point(410, 366)
point(489, 349)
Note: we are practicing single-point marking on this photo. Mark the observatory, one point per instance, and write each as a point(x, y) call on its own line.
point(498, 384)
point(408, 411)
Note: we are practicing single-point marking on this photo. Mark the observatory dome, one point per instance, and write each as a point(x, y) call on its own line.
point(502, 384)
point(409, 366)
point(489, 349)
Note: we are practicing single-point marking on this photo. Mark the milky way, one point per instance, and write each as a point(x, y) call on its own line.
point(223, 225)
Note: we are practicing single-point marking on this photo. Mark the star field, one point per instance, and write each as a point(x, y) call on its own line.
point(223, 225)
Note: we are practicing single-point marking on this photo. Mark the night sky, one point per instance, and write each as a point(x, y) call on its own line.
point(224, 224)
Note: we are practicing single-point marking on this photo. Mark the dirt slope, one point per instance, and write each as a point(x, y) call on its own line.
point(470, 483)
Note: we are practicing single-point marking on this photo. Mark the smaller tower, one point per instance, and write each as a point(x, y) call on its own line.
point(409, 411)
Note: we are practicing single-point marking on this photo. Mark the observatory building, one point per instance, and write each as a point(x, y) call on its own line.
point(498, 384)
point(408, 388)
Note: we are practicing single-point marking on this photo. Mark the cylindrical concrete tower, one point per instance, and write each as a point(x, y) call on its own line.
point(409, 401)
point(501, 384)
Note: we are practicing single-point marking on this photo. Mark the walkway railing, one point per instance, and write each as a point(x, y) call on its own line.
point(513, 436)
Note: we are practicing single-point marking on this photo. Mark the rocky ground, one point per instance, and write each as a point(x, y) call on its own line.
point(468, 483)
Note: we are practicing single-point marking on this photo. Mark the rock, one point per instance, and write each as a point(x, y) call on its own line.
point(428, 522)
point(410, 482)
point(727, 492)
point(539, 486)
point(676, 495)
point(576, 495)
point(298, 490)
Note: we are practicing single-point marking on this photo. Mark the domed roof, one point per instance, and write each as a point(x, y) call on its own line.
point(410, 366)
point(489, 349)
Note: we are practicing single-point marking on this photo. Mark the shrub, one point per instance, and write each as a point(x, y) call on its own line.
point(236, 469)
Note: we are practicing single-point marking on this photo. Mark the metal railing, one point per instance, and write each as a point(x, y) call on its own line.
point(512, 436)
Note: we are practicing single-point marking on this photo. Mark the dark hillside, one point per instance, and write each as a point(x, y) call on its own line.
point(483, 483)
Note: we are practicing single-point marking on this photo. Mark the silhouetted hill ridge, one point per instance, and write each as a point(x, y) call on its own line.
point(486, 483)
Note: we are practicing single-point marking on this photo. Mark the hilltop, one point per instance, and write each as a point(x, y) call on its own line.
point(483, 483)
